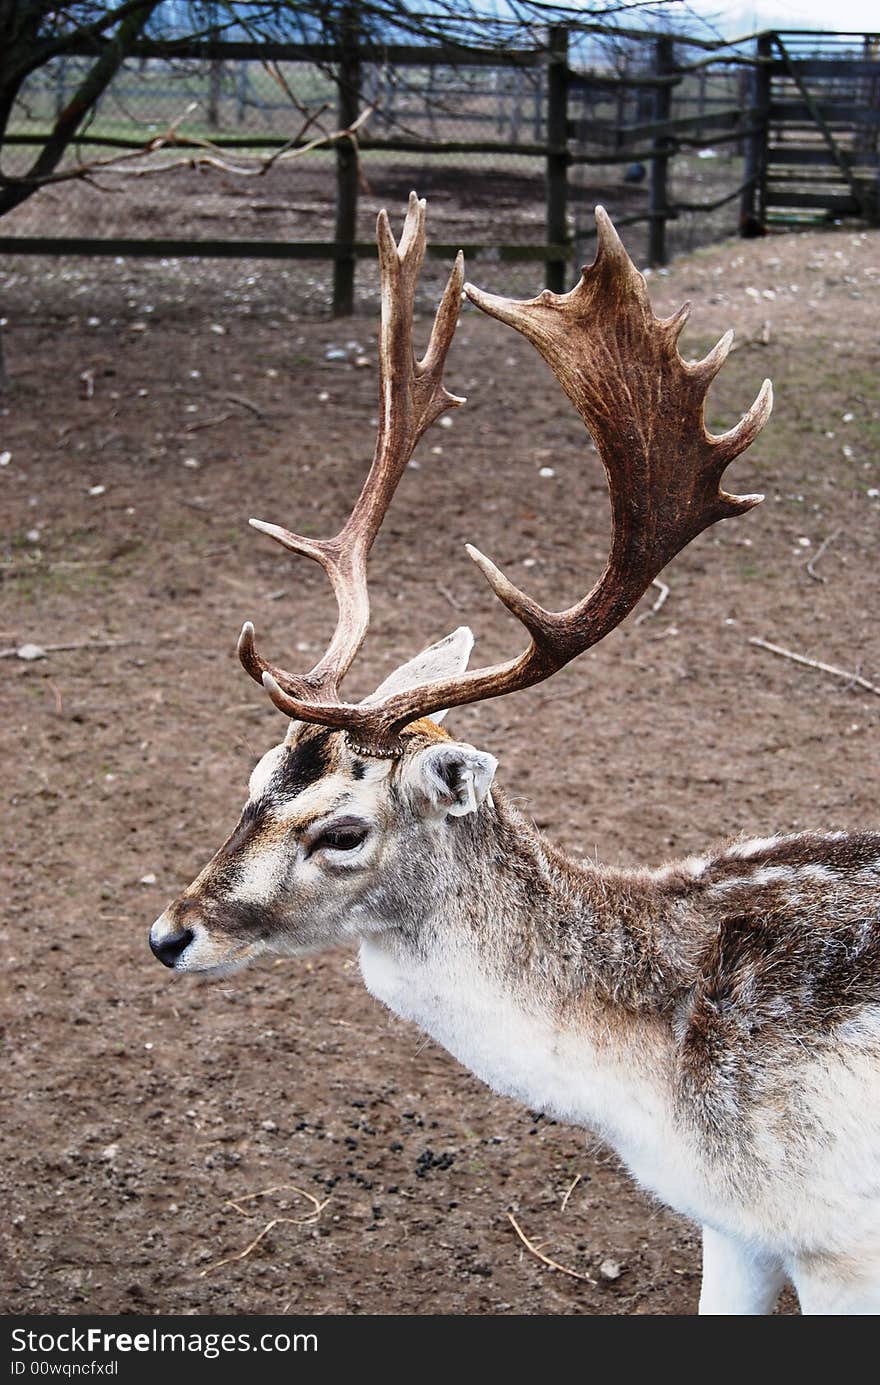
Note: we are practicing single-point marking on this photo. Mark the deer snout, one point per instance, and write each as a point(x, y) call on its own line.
point(169, 940)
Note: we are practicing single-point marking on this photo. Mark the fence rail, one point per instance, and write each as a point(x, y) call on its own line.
point(706, 138)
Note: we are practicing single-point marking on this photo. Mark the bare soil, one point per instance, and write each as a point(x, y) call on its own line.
point(152, 408)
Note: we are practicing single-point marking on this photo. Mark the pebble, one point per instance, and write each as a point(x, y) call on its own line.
point(610, 1270)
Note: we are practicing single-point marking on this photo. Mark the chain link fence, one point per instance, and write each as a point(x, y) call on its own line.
point(657, 128)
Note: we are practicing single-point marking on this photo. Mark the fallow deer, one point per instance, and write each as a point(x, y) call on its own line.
point(716, 1020)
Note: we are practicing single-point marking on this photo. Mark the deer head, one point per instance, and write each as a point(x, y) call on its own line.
point(350, 822)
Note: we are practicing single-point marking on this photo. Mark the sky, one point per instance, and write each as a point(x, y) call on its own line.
point(746, 16)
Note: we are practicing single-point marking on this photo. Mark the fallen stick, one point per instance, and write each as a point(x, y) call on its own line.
point(576, 1180)
point(545, 1259)
point(246, 404)
point(817, 664)
point(817, 576)
point(208, 423)
point(75, 644)
point(658, 604)
point(308, 1220)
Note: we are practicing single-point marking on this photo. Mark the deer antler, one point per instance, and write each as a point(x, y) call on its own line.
point(643, 405)
point(411, 397)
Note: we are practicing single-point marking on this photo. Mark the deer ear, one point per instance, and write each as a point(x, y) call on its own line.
point(451, 779)
point(445, 659)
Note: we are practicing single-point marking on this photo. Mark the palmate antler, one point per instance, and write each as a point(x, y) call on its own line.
point(643, 405)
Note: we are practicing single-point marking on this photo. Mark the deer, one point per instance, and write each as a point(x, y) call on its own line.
point(715, 1020)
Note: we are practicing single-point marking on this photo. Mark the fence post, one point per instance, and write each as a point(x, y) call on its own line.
point(751, 207)
point(658, 202)
point(348, 79)
point(557, 155)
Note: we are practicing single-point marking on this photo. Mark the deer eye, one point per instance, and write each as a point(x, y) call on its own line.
point(340, 837)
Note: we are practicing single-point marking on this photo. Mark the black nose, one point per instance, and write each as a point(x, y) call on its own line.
point(170, 948)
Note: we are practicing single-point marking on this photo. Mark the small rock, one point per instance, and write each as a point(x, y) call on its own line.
point(218, 330)
point(335, 353)
point(110, 1152)
point(5, 458)
point(97, 490)
point(610, 1270)
point(36, 651)
point(268, 1125)
point(148, 879)
point(546, 471)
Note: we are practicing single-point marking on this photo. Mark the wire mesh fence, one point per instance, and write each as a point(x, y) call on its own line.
point(208, 149)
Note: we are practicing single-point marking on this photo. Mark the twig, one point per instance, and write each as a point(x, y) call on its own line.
point(317, 1209)
point(851, 678)
point(242, 1254)
point(204, 155)
point(199, 509)
point(56, 693)
point(208, 423)
point(245, 404)
point(570, 1190)
point(75, 644)
point(826, 542)
point(317, 1205)
point(658, 604)
point(444, 591)
point(545, 1259)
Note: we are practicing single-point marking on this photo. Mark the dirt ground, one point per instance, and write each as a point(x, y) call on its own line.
point(152, 408)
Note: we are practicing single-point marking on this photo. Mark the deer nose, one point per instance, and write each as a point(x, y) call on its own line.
point(170, 946)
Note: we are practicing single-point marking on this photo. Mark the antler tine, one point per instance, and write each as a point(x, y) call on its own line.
point(643, 405)
point(411, 397)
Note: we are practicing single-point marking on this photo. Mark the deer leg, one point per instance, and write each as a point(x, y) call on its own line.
point(828, 1289)
point(737, 1280)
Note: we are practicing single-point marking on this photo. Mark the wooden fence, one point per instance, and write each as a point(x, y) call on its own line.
point(798, 116)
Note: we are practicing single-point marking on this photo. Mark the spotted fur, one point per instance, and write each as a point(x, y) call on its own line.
point(716, 1020)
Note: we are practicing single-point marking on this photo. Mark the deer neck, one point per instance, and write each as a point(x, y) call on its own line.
point(554, 982)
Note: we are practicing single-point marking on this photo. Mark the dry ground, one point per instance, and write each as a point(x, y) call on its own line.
point(152, 408)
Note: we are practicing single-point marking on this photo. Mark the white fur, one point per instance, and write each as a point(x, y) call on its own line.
point(263, 770)
point(452, 778)
point(737, 1279)
point(525, 1057)
point(622, 1090)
